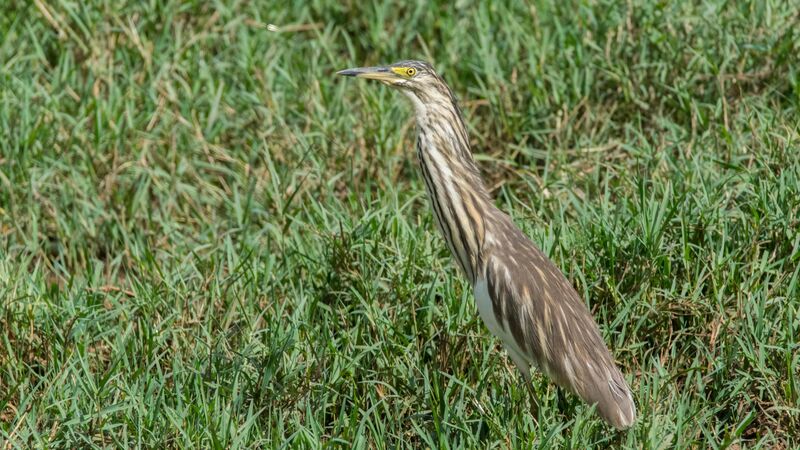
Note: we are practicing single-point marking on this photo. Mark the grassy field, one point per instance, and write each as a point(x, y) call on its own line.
point(209, 240)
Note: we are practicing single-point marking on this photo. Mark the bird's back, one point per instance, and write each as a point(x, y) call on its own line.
point(549, 324)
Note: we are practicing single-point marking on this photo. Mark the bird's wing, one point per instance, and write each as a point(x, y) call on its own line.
point(551, 326)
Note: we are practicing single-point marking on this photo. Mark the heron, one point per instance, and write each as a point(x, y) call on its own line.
point(521, 296)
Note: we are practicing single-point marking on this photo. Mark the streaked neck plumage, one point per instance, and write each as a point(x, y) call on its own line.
point(457, 193)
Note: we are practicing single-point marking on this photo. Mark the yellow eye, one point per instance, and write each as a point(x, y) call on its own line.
point(411, 71)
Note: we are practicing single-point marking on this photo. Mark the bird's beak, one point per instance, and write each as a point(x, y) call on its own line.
point(382, 74)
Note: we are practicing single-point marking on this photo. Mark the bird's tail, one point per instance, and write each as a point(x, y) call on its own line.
point(614, 400)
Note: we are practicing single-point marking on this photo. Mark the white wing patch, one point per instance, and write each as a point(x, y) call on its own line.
point(486, 311)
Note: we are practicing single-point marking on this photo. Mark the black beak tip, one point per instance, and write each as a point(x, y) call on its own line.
point(347, 72)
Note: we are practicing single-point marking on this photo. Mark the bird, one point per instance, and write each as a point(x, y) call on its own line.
point(521, 295)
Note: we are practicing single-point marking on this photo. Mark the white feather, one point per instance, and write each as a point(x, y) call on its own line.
point(486, 311)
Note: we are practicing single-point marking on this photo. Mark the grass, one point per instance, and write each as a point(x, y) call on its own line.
point(209, 240)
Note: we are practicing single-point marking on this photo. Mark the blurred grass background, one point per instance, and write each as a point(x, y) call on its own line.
point(208, 240)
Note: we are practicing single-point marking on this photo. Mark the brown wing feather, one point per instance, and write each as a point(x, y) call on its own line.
point(536, 304)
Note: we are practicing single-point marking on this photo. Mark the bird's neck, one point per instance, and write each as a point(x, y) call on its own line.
point(442, 132)
point(458, 195)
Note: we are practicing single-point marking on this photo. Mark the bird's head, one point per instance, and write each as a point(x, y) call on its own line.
point(402, 74)
point(416, 79)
